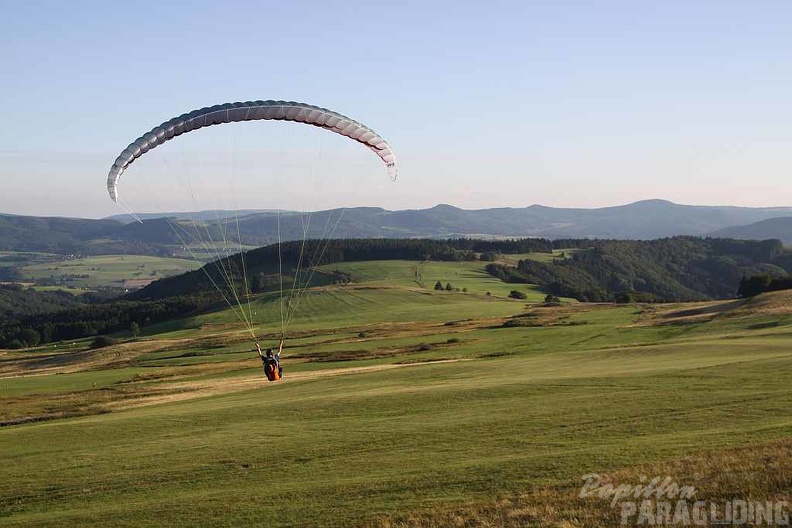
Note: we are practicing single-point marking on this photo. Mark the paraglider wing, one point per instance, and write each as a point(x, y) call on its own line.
point(250, 111)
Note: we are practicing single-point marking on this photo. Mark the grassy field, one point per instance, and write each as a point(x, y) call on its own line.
point(401, 406)
point(541, 257)
point(403, 273)
point(108, 270)
point(16, 260)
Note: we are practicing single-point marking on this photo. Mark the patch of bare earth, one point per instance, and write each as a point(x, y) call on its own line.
point(773, 303)
point(188, 390)
point(156, 389)
point(687, 313)
point(764, 305)
point(160, 384)
point(69, 361)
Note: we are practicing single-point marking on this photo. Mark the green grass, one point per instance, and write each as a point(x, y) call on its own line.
point(339, 450)
point(210, 250)
point(404, 273)
point(73, 291)
point(16, 258)
point(108, 270)
point(77, 381)
point(349, 307)
point(539, 256)
point(568, 391)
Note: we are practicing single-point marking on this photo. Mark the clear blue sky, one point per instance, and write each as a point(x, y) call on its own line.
point(486, 103)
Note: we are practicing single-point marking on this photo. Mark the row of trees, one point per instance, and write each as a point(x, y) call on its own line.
point(439, 287)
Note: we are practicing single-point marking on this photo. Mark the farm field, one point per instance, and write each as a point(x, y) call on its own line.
point(539, 256)
point(469, 276)
point(401, 406)
point(108, 270)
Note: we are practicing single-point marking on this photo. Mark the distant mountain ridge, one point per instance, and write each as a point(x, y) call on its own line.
point(645, 220)
point(780, 228)
point(208, 215)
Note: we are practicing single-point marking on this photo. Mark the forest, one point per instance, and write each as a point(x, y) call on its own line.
point(665, 270)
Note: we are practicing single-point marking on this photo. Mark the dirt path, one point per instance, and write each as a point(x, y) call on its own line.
point(189, 390)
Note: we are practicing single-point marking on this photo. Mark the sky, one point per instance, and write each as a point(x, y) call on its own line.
point(486, 104)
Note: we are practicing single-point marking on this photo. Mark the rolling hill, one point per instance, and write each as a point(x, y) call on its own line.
point(53, 235)
point(494, 422)
point(644, 220)
point(673, 269)
point(641, 220)
point(779, 228)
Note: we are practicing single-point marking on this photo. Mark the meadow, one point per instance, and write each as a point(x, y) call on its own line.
point(401, 406)
point(105, 271)
point(467, 276)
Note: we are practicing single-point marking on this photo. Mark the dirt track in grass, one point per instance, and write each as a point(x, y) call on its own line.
point(189, 390)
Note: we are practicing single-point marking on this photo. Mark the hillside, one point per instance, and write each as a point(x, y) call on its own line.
point(780, 228)
point(641, 220)
point(674, 269)
point(666, 270)
point(548, 390)
point(51, 235)
point(212, 214)
point(644, 220)
point(17, 301)
point(66, 236)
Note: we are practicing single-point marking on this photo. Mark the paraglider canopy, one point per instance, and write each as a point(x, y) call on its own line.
point(250, 111)
point(229, 275)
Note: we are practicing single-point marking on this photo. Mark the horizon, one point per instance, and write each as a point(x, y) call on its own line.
point(248, 211)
